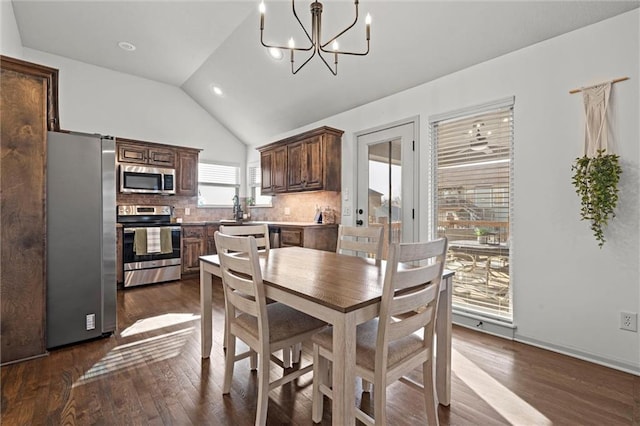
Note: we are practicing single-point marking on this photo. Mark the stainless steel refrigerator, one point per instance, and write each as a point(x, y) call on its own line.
point(81, 239)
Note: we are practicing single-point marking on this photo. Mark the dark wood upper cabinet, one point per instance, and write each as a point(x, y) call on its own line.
point(273, 164)
point(305, 165)
point(183, 160)
point(187, 172)
point(138, 152)
point(312, 162)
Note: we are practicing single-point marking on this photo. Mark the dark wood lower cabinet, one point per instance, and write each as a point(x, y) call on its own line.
point(211, 242)
point(316, 237)
point(193, 246)
point(198, 240)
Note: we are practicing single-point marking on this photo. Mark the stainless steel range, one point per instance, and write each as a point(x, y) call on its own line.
point(151, 245)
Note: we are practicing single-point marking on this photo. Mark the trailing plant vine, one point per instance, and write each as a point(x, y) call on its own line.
point(596, 182)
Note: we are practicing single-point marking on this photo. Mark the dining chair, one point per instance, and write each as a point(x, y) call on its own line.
point(365, 240)
point(400, 339)
point(261, 234)
point(265, 328)
point(361, 239)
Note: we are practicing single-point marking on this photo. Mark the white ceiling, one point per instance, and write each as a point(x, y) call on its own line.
point(192, 44)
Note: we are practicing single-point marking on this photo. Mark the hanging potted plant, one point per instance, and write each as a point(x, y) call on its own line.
point(596, 182)
point(596, 174)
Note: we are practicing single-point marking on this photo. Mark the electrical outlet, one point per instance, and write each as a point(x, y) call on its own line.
point(629, 321)
point(187, 211)
point(287, 211)
point(91, 321)
point(346, 211)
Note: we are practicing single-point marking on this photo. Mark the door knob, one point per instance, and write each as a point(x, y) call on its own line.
point(359, 222)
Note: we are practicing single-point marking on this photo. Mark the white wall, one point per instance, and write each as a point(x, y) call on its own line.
point(98, 100)
point(568, 293)
point(10, 41)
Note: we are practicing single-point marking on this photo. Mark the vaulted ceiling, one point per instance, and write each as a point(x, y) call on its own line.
point(197, 44)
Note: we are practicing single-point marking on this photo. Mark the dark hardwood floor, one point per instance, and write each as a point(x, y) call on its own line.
point(150, 372)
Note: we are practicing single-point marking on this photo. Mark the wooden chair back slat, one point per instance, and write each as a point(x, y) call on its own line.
point(259, 232)
point(366, 240)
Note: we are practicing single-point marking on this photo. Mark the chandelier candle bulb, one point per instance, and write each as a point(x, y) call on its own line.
point(262, 10)
point(367, 21)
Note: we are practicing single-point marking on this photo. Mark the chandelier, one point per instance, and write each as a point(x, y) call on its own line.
point(316, 46)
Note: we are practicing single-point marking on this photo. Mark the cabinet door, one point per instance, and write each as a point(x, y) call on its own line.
point(192, 249)
point(273, 165)
point(23, 102)
point(132, 154)
point(296, 166)
point(304, 161)
point(313, 164)
point(162, 157)
point(266, 171)
point(187, 174)
point(279, 172)
point(211, 243)
point(291, 237)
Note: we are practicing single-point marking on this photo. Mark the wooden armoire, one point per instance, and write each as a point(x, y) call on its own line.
point(28, 108)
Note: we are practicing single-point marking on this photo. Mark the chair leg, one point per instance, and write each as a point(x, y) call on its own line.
point(229, 363)
point(319, 376)
point(297, 351)
point(286, 357)
point(429, 394)
point(253, 360)
point(263, 389)
point(380, 404)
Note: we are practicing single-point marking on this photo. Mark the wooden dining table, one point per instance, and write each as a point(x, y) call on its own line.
point(342, 290)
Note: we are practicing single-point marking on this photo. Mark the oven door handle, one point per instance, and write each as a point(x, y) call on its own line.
point(132, 230)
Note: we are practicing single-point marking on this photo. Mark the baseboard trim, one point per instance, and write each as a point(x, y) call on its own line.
point(585, 356)
point(509, 331)
point(486, 325)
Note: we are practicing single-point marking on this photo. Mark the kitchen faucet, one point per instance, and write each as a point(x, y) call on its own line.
point(237, 210)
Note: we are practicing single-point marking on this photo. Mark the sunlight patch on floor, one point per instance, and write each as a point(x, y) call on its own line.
point(509, 405)
point(142, 352)
point(157, 322)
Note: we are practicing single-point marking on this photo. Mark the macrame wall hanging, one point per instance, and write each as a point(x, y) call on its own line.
point(596, 174)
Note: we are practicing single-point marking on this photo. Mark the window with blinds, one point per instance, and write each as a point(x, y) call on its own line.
point(255, 180)
point(473, 193)
point(217, 184)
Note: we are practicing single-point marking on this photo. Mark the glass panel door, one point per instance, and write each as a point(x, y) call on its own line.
point(385, 183)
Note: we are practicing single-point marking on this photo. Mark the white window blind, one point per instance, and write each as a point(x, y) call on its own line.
point(473, 159)
point(217, 184)
point(218, 174)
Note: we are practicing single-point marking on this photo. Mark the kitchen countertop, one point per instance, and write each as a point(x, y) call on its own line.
point(251, 222)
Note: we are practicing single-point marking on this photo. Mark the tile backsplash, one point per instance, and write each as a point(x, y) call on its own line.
point(301, 207)
point(179, 204)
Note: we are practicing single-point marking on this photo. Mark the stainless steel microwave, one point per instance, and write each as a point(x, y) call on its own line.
point(147, 180)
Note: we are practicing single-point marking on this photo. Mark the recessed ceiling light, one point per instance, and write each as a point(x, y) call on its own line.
point(125, 45)
point(216, 90)
point(275, 53)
